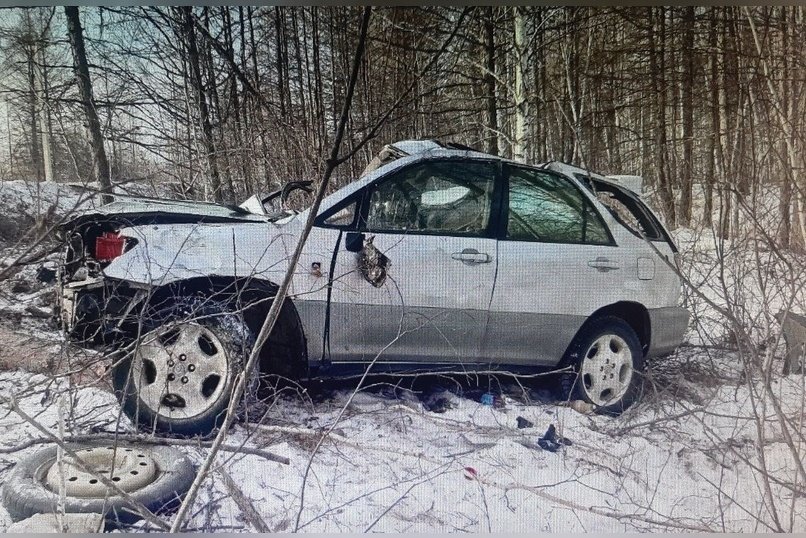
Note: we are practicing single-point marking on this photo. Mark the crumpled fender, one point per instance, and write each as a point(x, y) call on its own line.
point(166, 253)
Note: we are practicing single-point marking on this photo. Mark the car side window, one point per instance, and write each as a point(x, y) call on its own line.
point(545, 207)
point(343, 217)
point(434, 197)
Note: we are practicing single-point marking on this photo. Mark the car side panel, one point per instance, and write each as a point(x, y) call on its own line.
point(529, 338)
point(312, 315)
point(543, 294)
point(432, 307)
point(309, 287)
point(169, 253)
point(669, 326)
point(413, 334)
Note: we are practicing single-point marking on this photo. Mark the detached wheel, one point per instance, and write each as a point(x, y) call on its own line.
point(180, 374)
point(608, 366)
point(156, 476)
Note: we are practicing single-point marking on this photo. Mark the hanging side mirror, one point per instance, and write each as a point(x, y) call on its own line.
point(373, 264)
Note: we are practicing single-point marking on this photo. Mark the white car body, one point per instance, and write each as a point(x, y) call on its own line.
point(448, 300)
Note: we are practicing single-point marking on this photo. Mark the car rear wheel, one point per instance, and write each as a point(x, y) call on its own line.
point(607, 366)
point(179, 375)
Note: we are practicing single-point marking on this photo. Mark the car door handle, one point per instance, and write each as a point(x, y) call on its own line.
point(603, 264)
point(471, 256)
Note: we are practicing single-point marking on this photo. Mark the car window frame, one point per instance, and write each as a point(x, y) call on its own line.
point(504, 217)
point(319, 222)
point(362, 196)
point(663, 235)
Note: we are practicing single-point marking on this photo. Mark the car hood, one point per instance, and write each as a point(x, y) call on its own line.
point(136, 211)
point(162, 253)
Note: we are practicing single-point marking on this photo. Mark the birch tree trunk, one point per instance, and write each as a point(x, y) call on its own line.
point(521, 101)
point(491, 134)
point(44, 122)
point(33, 121)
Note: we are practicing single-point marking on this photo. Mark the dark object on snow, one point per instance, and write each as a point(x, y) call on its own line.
point(524, 423)
point(551, 441)
point(794, 330)
point(437, 400)
point(437, 405)
point(37, 312)
point(156, 476)
point(46, 275)
point(21, 286)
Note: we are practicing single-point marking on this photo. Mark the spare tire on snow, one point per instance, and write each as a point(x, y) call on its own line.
point(156, 476)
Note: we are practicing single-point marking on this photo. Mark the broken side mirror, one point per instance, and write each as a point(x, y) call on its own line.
point(373, 264)
point(354, 241)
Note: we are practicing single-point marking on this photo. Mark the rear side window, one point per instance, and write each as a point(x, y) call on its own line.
point(548, 208)
point(628, 211)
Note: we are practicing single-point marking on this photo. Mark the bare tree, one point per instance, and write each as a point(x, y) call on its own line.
point(100, 164)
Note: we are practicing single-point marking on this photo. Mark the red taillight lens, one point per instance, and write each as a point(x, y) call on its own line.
point(109, 246)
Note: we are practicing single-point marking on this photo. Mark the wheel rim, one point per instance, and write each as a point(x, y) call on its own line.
point(607, 370)
point(130, 469)
point(180, 370)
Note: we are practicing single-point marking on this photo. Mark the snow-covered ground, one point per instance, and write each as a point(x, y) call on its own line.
point(680, 460)
point(688, 457)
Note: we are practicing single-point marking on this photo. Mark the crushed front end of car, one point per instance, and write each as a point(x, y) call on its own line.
point(95, 308)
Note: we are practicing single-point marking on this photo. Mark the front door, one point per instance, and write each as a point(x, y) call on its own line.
point(433, 221)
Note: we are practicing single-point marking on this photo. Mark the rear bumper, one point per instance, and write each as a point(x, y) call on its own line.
point(668, 326)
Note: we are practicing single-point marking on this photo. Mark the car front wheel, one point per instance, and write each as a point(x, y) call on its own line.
point(178, 377)
point(607, 366)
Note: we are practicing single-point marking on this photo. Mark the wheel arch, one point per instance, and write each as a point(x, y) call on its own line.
point(634, 314)
point(286, 345)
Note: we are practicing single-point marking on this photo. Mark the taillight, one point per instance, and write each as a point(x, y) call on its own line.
point(109, 246)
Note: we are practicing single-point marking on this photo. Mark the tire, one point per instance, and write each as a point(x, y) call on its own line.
point(24, 492)
point(607, 366)
point(178, 377)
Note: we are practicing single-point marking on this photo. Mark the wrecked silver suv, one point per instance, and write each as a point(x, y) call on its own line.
point(438, 258)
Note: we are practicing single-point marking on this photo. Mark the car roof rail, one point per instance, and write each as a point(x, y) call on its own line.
point(461, 147)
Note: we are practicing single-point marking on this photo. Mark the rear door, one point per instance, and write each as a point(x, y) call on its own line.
point(434, 222)
point(558, 263)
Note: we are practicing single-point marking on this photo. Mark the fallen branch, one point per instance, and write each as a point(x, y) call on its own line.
point(599, 511)
point(146, 440)
point(244, 503)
